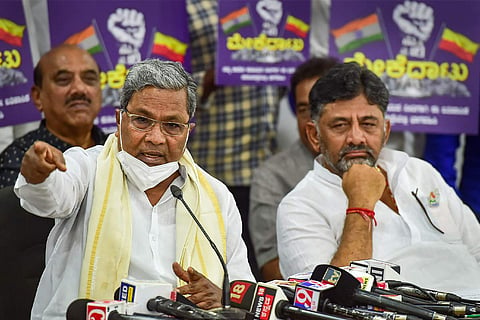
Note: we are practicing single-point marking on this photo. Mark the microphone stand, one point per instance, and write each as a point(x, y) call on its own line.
point(230, 313)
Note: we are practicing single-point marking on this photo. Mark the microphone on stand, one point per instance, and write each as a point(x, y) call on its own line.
point(227, 310)
point(346, 292)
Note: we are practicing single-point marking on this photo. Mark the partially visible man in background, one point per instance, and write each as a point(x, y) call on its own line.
point(280, 173)
point(67, 91)
point(236, 125)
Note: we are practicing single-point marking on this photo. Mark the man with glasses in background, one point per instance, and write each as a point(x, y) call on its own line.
point(116, 216)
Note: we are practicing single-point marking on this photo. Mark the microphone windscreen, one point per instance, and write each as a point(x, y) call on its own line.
point(242, 293)
point(344, 283)
point(176, 191)
point(116, 294)
point(77, 310)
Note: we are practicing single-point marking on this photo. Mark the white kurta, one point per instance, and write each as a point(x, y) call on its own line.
point(310, 224)
point(61, 196)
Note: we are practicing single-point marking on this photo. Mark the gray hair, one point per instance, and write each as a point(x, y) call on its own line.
point(162, 75)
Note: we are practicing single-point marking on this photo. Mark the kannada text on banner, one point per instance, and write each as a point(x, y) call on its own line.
point(424, 51)
point(261, 42)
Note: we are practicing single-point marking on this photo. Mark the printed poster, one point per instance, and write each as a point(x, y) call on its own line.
point(261, 42)
point(16, 67)
point(426, 52)
point(119, 34)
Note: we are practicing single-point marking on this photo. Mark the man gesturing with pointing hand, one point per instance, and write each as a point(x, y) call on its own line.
point(115, 215)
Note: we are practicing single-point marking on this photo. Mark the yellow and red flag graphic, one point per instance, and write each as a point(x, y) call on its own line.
point(458, 44)
point(169, 47)
point(297, 26)
point(11, 33)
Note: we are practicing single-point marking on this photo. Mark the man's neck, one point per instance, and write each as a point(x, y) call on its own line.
point(156, 193)
point(81, 137)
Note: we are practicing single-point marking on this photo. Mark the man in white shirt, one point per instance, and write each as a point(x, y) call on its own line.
point(115, 214)
point(364, 201)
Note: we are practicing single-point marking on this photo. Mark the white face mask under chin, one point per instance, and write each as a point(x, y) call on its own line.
point(139, 173)
point(142, 175)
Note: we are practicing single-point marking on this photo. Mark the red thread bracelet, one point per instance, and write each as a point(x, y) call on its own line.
point(365, 213)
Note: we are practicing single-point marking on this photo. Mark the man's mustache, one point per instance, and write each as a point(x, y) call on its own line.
point(351, 148)
point(78, 98)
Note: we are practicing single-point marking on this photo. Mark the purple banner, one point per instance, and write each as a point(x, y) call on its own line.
point(16, 69)
point(261, 42)
point(426, 52)
point(119, 34)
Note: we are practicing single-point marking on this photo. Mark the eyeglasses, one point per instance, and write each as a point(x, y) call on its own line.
point(144, 124)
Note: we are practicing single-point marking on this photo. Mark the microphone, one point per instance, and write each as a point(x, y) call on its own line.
point(413, 290)
point(381, 270)
point(242, 293)
point(368, 282)
point(271, 303)
point(114, 315)
point(77, 309)
point(346, 292)
point(226, 310)
point(82, 309)
point(365, 314)
point(404, 298)
point(453, 308)
point(181, 310)
point(137, 293)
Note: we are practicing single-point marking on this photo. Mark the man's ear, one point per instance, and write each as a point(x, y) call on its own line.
point(312, 136)
point(387, 129)
point(118, 114)
point(35, 94)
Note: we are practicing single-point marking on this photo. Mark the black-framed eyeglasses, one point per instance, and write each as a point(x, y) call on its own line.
point(144, 124)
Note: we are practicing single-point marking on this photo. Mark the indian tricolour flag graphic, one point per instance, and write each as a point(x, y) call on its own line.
point(236, 20)
point(86, 39)
point(357, 33)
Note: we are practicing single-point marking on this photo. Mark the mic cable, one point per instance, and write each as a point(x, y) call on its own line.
point(178, 194)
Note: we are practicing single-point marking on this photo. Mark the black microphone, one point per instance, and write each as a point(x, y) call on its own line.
point(115, 315)
point(452, 308)
point(77, 310)
point(413, 290)
point(404, 297)
point(284, 310)
point(347, 292)
point(181, 310)
point(271, 303)
point(366, 314)
point(227, 311)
